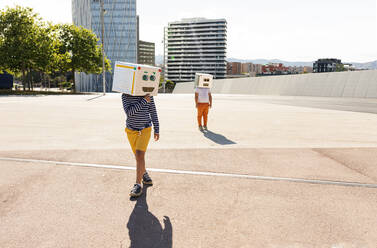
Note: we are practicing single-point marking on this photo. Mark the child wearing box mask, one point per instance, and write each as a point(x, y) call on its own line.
point(141, 114)
point(203, 101)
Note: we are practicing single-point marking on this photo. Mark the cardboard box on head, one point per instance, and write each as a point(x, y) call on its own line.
point(135, 79)
point(203, 80)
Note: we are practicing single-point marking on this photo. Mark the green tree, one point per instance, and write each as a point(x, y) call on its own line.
point(170, 85)
point(18, 33)
point(339, 67)
point(46, 46)
point(78, 51)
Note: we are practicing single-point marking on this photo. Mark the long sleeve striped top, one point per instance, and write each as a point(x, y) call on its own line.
point(140, 113)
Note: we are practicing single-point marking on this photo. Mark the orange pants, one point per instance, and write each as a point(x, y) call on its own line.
point(203, 109)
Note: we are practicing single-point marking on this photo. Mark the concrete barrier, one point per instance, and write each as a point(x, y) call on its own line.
point(360, 84)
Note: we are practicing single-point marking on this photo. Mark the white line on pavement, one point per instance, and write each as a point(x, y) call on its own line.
point(13, 102)
point(201, 173)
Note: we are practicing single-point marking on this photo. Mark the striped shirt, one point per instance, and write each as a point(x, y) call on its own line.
point(140, 113)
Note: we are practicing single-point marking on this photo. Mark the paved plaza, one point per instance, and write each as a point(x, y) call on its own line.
point(276, 172)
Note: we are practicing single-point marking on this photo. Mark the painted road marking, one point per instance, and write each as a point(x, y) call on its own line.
point(200, 173)
point(22, 101)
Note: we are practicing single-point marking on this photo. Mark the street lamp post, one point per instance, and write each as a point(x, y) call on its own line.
point(163, 84)
point(103, 46)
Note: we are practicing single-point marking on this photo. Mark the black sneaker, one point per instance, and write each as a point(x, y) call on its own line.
point(200, 128)
point(136, 191)
point(205, 128)
point(147, 179)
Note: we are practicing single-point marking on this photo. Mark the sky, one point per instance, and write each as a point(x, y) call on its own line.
point(291, 30)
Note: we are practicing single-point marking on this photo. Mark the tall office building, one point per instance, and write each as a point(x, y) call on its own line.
point(195, 45)
point(120, 35)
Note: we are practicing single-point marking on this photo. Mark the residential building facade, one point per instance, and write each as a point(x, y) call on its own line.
point(274, 69)
point(145, 50)
point(246, 68)
point(195, 45)
point(233, 68)
point(251, 69)
point(120, 36)
point(146, 53)
point(326, 65)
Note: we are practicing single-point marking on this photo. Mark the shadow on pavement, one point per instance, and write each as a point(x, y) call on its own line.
point(218, 138)
point(93, 98)
point(145, 229)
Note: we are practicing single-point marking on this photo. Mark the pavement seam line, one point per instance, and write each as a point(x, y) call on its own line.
point(200, 173)
point(323, 153)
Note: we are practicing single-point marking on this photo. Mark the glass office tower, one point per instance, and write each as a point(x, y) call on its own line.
point(120, 35)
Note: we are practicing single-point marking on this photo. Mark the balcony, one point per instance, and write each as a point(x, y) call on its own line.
point(185, 46)
point(196, 25)
point(196, 34)
point(196, 29)
point(196, 63)
point(179, 44)
point(190, 70)
point(196, 49)
point(221, 38)
point(198, 54)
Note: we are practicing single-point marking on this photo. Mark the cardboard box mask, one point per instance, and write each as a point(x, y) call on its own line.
point(203, 80)
point(135, 79)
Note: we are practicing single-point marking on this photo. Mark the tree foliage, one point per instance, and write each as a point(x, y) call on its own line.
point(170, 85)
point(28, 44)
point(339, 67)
point(18, 32)
point(79, 50)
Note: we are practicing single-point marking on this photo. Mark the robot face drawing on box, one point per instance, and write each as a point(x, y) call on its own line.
point(136, 80)
point(203, 80)
point(146, 81)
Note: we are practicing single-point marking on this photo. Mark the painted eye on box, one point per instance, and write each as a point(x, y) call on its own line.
point(145, 77)
point(152, 78)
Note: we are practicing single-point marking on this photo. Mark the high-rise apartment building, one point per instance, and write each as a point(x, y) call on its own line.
point(326, 65)
point(146, 53)
point(195, 45)
point(120, 35)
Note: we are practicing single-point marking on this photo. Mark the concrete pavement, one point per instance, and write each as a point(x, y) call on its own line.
point(76, 122)
point(47, 205)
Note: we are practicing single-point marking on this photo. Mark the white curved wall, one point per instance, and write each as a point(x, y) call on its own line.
point(360, 84)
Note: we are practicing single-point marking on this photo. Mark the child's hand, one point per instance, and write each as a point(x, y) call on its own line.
point(156, 136)
point(147, 98)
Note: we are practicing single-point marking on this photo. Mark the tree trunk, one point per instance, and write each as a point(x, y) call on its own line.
point(28, 80)
point(73, 81)
point(31, 80)
point(23, 79)
point(42, 82)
